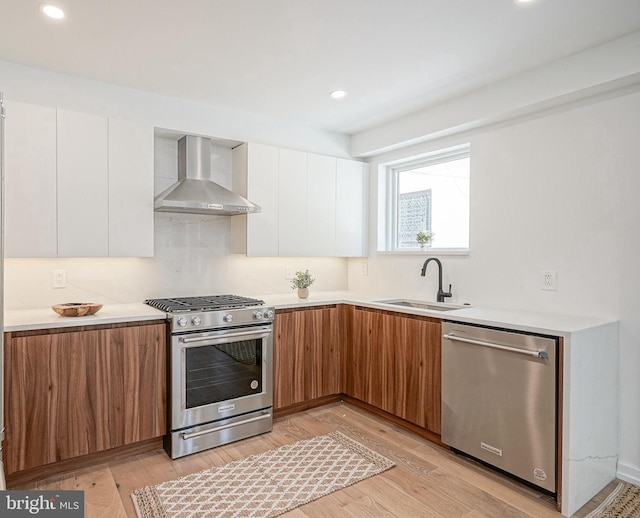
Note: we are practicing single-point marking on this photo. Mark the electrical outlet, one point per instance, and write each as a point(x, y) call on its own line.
point(364, 268)
point(59, 278)
point(288, 272)
point(549, 280)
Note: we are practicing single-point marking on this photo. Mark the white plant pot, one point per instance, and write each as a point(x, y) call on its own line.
point(303, 293)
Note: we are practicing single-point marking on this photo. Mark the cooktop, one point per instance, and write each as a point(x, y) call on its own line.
point(206, 303)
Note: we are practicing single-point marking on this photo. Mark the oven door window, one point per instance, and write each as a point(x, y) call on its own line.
point(221, 372)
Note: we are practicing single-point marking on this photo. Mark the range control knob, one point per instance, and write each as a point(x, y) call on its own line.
point(269, 314)
point(182, 321)
point(196, 321)
point(228, 318)
point(257, 315)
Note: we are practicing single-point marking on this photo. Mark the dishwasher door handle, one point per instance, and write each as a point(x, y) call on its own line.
point(535, 354)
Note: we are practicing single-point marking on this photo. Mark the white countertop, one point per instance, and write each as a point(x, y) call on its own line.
point(544, 323)
point(46, 318)
point(529, 321)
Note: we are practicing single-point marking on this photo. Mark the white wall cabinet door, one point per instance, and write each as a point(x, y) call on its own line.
point(130, 189)
point(351, 217)
point(83, 187)
point(312, 205)
point(321, 206)
point(255, 176)
point(293, 237)
point(30, 181)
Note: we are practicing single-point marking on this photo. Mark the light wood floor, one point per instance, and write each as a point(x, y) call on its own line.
point(427, 481)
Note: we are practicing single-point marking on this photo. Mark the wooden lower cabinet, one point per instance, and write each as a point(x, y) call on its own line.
point(369, 359)
point(388, 360)
point(70, 392)
point(306, 355)
point(417, 370)
point(392, 362)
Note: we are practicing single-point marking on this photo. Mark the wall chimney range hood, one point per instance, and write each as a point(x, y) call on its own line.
point(195, 192)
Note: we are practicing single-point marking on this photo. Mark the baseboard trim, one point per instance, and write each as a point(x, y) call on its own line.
point(20, 479)
point(628, 473)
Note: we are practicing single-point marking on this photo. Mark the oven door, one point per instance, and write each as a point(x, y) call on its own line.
point(219, 374)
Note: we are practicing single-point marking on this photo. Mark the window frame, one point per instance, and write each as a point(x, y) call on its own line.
point(391, 206)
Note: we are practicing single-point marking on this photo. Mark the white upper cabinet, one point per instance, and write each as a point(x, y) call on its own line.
point(83, 185)
point(77, 185)
point(293, 237)
point(30, 181)
point(130, 189)
point(256, 234)
point(312, 205)
point(321, 206)
point(351, 217)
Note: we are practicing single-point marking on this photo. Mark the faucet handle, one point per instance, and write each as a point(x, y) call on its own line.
point(448, 293)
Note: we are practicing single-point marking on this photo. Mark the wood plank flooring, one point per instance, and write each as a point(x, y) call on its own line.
point(427, 481)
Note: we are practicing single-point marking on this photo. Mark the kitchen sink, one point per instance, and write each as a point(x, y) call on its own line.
point(432, 306)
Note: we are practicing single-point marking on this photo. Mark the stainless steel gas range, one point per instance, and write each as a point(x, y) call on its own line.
point(220, 370)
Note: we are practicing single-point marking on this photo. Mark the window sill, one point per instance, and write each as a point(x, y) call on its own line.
point(426, 251)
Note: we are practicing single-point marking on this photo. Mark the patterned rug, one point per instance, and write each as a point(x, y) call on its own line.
point(623, 502)
point(264, 485)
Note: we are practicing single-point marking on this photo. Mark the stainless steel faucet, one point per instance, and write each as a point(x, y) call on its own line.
point(441, 294)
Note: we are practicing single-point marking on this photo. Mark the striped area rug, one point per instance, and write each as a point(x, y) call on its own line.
point(264, 485)
point(623, 502)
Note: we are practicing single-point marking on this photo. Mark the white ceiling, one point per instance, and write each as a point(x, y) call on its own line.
point(281, 58)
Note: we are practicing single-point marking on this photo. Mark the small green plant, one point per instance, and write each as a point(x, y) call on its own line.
point(423, 236)
point(302, 280)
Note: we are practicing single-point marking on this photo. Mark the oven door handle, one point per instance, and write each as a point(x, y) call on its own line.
point(187, 436)
point(259, 333)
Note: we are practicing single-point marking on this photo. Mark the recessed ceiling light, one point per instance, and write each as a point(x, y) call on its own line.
point(523, 1)
point(338, 94)
point(52, 11)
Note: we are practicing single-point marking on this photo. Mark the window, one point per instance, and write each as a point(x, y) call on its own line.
point(429, 194)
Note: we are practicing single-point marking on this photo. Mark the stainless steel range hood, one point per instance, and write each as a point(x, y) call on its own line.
point(195, 193)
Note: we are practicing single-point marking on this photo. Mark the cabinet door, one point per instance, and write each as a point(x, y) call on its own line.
point(83, 188)
point(255, 176)
point(292, 203)
point(30, 181)
point(321, 206)
point(321, 340)
point(370, 359)
point(74, 393)
point(288, 360)
point(351, 218)
point(135, 386)
point(417, 371)
point(130, 189)
point(306, 355)
point(54, 412)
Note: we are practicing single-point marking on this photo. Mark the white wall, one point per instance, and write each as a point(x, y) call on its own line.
point(36, 86)
point(560, 192)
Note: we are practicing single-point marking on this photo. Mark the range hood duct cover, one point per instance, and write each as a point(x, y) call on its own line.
point(195, 193)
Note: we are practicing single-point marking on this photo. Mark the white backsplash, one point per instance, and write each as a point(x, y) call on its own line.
point(192, 258)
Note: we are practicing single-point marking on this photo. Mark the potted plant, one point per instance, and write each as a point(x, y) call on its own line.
point(423, 238)
point(302, 281)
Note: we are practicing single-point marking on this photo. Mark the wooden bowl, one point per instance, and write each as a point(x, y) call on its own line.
point(76, 309)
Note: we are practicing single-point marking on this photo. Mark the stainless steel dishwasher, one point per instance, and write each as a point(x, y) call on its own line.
point(499, 400)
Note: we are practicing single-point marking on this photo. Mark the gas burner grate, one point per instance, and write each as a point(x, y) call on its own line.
point(206, 303)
